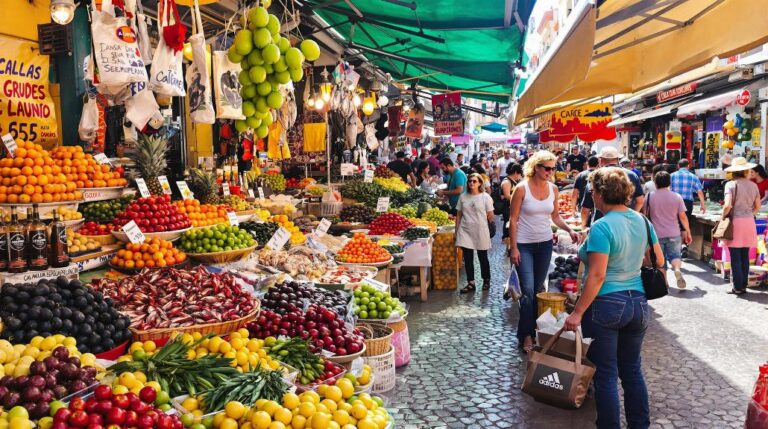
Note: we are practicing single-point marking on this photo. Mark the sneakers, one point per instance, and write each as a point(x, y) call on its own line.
point(680, 279)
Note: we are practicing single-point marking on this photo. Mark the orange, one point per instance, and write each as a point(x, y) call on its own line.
point(37, 198)
point(47, 170)
point(47, 198)
point(129, 264)
point(18, 162)
point(139, 264)
point(3, 198)
point(15, 172)
point(24, 199)
point(16, 189)
point(20, 180)
point(39, 162)
point(13, 199)
point(29, 162)
point(32, 180)
point(37, 170)
point(21, 152)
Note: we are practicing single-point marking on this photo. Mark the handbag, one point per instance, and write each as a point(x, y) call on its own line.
point(654, 279)
point(492, 228)
point(723, 229)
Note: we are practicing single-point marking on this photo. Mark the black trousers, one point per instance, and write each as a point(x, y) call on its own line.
point(469, 264)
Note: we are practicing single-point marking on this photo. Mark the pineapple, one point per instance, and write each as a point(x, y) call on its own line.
point(204, 186)
point(149, 157)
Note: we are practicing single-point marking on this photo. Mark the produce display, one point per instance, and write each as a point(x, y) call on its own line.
point(295, 352)
point(565, 268)
point(392, 248)
point(262, 214)
point(236, 203)
point(16, 417)
point(300, 263)
point(273, 180)
point(408, 210)
point(421, 223)
point(361, 250)
point(296, 183)
point(415, 232)
point(219, 238)
point(104, 211)
point(82, 169)
point(31, 176)
point(415, 196)
point(78, 243)
point(65, 213)
point(315, 190)
point(395, 184)
point(260, 231)
point(202, 214)
point(357, 381)
point(205, 186)
point(65, 307)
point(149, 155)
point(153, 214)
point(371, 303)
point(93, 228)
point(297, 237)
point(153, 253)
point(245, 388)
point(384, 172)
point(445, 261)
point(289, 296)
point(169, 297)
point(357, 213)
point(365, 193)
point(565, 203)
point(305, 224)
point(346, 275)
point(439, 217)
point(389, 223)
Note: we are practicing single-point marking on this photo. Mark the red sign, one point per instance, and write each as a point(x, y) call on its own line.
point(588, 122)
point(675, 92)
point(743, 98)
point(446, 113)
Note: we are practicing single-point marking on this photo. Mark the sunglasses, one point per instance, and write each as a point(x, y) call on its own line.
point(547, 169)
point(474, 181)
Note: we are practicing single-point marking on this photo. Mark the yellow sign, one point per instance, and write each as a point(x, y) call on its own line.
point(26, 106)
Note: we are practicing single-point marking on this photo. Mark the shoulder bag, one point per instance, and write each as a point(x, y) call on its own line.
point(654, 279)
point(723, 229)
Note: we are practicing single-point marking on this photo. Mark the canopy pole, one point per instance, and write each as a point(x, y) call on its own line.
point(417, 77)
point(397, 57)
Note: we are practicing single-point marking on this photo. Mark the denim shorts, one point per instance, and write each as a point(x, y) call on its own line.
point(671, 246)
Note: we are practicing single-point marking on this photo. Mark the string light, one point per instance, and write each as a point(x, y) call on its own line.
point(62, 11)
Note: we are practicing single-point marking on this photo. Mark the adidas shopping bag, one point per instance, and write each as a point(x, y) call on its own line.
point(557, 381)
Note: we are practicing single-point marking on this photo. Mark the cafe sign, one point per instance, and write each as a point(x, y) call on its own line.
point(675, 92)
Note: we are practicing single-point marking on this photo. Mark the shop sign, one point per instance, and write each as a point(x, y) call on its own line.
point(26, 107)
point(348, 169)
point(627, 108)
point(675, 92)
point(368, 176)
point(382, 204)
point(143, 189)
point(133, 232)
point(743, 98)
point(588, 122)
point(233, 220)
point(261, 192)
point(446, 114)
point(279, 238)
point(323, 227)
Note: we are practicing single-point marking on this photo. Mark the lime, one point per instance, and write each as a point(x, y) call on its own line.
point(162, 398)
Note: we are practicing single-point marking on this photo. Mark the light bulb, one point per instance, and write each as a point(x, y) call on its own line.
point(62, 11)
point(383, 101)
point(311, 102)
point(319, 104)
point(356, 100)
point(368, 108)
point(326, 96)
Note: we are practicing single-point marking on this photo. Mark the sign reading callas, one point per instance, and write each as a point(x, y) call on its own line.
point(26, 106)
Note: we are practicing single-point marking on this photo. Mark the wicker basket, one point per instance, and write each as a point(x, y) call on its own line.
point(554, 301)
point(222, 257)
point(378, 338)
point(221, 328)
point(330, 209)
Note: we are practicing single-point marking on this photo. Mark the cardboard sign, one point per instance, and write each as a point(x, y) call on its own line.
point(382, 205)
point(279, 238)
point(10, 145)
point(322, 229)
point(368, 176)
point(225, 189)
point(134, 233)
point(233, 220)
point(250, 193)
point(102, 159)
point(348, 169)
point(186, 193)
point(143, 189)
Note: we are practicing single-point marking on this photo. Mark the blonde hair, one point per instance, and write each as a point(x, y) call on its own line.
point(538, 158)
point(479, 177)
point(613, 185)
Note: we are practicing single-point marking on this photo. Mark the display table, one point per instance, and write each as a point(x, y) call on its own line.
point(701, 235)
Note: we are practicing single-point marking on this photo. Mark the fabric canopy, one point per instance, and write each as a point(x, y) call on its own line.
point(481, 44)
point(639, 43)
point(654, 113)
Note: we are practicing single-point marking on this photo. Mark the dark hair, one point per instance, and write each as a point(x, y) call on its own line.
point(658, 168)
point(422, 166)
point(662, 179)
point(400, 154)
point(760, 170)
point(465, 169)
point(593, 161)
point(514, 168)
point(434, 151)
point(446, 161)
point(558, 153)
point(479, 169)
point(683, 163)
point(739, 174)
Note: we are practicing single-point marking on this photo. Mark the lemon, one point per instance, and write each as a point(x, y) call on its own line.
point(346, 387)
point(150, 346)
point(276, 425)
point(283, 415)
point(364, 378)
point(359, 411)
point(19, 423)
point(225, 347)
point(155, 385)
point(214, 344)
point(242, 358)
point(367, 401)
point(271, 407)
point(234, 335)
point(197, 413)
point(237, 343)
point(298, 422)
point(21, 369)
point(291, 400)
point(341, 417)
point(253, 360)
point(307, 409)
point(18, 411)
point(260, 404)
point(261, 420)
point(35, 341)
point(253, 345)
point(321, 421)
point(201, 352)
point(191, 355)
point(187, 338)
point(330, 405)
point(230, 354)
point(48, 343)
point(243, 333)
point(128, 380)
point(349, 427)
point(140, 376)
point(229, 423)
point(88, 359)
point(45, 422)
point(120, 390)
point(31, 351)
point(343, 406)
point(190, 404)
point(136, 345)
point(321, 389)
point(311, 396)
point(217, 419)
point(367, 423)
point(333, 393)
point(234, 409)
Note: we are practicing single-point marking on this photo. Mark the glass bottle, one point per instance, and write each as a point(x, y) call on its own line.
point(37, 249)
point(3, 244)
point(17, 245)
point(58, 255)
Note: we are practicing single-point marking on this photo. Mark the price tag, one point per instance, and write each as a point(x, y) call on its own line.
point(102, 159)
point(322, 229)
point(368, 176)
point(382, 205)
point(10, 145)
point(165, 184)
point(186, 193)
point(348, 169)
point(133, 232)
point(261, 192)
point(250, 193)
point(225, 189)
point(143, 190)
point(279, 238)
point(233, 220)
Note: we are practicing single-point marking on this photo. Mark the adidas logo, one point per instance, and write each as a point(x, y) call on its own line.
point(551, 380)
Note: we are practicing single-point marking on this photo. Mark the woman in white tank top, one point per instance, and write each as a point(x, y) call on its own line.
point(532, 211)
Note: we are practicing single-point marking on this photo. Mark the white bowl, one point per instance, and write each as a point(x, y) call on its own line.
point(167, 235)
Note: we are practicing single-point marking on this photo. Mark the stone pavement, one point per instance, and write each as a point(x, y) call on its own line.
point(701, 356)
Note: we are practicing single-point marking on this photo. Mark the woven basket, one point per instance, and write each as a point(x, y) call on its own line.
point(378, 338)
point(554, 301)
point(221, 328)
point(222, 257)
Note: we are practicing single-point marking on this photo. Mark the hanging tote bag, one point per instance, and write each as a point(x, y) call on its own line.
point(166, 78)
point(145, 44)
point(723, 229)
point(198, 79)
point(226, 85)
point(654, 279)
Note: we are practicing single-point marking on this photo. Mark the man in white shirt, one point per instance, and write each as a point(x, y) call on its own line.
point(501, 165)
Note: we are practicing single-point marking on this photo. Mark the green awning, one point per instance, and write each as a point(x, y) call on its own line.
point(478, 56)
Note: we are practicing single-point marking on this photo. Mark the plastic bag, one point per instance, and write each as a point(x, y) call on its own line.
point(89, 121)
point(512, 289)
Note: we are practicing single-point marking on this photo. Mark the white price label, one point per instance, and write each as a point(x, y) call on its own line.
point(261, 192)
point(322, 229)
point(368, 176)
point(102, 159)
point(133, 232)
point(225, 188)
point(348, 169)
point(233, 220)
point(382, 205)
point(279, 238)
point(10, 145)
point(143, 189)
point(165, 184)
point(250, 193)
point(186, 193)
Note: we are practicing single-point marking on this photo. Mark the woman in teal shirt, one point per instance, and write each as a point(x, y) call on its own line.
point(612, 306)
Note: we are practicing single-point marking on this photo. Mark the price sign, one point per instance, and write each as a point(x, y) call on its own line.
point(322, 229)
point(186, 193)
point(368, 176)
point(382, 205)
point(225, 189)
point(102, 159)
point(143, 190)
point(279, 238)
point(347, 169)
point(250, 193)
point(133, 232)
point(261, 192)
point(10, 145)
point(233, 220)
point(165, 184)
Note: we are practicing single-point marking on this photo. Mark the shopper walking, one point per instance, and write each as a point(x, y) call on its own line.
point(514, 175)
point(474, 212)
point(665, 209)
point(457, 181)
point(686, 184)
point(532, 210)
point(580, 187)
point(612, 308)
point(742, 201)
point(609, 157)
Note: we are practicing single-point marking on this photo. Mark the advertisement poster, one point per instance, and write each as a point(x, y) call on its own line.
point(588, 122)
point(446, 111)
point(26, 106)
point(712, 154)
point(415, 123)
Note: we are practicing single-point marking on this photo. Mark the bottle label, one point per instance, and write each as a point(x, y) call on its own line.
point(17, 242)
point(63, 236)
point(39, 240)
point(3, 243)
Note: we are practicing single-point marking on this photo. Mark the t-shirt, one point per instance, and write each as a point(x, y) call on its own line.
point(458, 178)
point(576, 161)
point(582, 180)
point(762, 187)
point(502, 164)
point(664, 208)
point(622, 236)
point(746, 193)
point(434, 165)
point(401, 168)
point(588, 203)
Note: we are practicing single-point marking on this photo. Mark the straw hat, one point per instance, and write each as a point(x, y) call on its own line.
point(609, 152)
point(740, 164)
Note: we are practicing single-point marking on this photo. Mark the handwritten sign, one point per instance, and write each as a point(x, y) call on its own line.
point(225, 189)
point(279, 238)
point(143, 189)
point(250, 193)
point(322, 229)
point(233, 220)
point(102, 159)
point(261, 192)
point(10, 145)
point(347, 169)
point(382, 205)
point(368, 176)
point(186, 193)
point(165, 184)
point(134, 233)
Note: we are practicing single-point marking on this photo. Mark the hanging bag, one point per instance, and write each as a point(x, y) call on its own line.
point(226, 86)
point(166, 78)
point(144, 42)
point(89, 121)
point(723, 229)
point(654, 279)
point(198, 79)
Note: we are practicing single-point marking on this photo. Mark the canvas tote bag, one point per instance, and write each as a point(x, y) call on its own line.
point(723, 229)
point(198, 79)
point(226, 85)
point(145, 44)
point(557, 381)
point(166, 77)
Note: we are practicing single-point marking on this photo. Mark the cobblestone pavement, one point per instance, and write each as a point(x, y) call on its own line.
point(700, 358)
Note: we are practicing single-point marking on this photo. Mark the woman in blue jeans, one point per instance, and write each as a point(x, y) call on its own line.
point(612, 308)
point(532, 209)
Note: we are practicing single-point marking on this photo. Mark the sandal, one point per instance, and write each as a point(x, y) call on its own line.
point(737, 292)
point(487, 284)
point(470, 287)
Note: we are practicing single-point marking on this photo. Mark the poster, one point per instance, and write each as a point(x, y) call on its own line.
point(26, 107)
point(712, 154)
point(588, 122)
point(446, 113)
point(415, 123)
